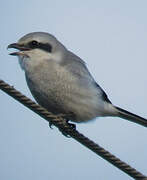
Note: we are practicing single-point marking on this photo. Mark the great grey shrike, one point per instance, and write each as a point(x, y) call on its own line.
point(60, 81)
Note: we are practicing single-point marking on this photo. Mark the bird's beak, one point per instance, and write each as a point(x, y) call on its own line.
point(18, 46)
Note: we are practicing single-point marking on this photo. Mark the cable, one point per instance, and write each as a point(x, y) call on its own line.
point(60, 123)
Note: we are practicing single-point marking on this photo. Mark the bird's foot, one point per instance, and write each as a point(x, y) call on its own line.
point(66, 123)
point(64, 116)
point(51, 124)
point(70, 125)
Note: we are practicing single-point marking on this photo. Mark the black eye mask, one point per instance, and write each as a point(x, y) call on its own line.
point(34, 44)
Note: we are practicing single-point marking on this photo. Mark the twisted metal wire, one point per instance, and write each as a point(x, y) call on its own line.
point(60, 123)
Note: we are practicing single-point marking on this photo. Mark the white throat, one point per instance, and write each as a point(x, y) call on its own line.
point(33, 58)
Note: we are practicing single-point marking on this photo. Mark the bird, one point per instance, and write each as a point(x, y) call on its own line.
point(60, 81)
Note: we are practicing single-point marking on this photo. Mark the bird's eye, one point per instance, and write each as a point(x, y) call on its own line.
point(38, 45)
point(33, 44)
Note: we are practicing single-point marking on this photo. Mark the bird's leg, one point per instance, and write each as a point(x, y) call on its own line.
point(64, 116)
point(71, 125)
point(66, 121)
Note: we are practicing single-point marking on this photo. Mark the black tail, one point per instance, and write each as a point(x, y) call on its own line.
point(131, 117)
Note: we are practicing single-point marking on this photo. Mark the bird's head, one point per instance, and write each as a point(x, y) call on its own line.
point(38, 46)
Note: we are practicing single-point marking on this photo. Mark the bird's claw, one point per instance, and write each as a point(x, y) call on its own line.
point(50, 124)
point(72, 126)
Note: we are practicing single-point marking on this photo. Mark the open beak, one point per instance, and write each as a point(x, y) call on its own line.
point(18, 46)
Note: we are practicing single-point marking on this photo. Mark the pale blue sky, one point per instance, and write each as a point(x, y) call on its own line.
point(111, 36)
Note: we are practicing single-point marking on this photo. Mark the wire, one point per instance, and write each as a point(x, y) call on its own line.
point(60, 123)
